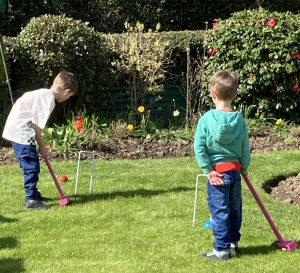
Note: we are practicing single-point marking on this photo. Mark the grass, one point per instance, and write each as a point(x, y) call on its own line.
point(139, 219)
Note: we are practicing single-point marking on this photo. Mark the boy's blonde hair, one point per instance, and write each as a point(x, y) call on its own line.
point(225, 84)
point(66, 80)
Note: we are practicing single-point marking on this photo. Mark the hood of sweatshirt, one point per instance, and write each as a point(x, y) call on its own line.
point(225, 127)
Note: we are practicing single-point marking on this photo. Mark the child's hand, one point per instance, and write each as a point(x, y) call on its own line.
point(215, 178)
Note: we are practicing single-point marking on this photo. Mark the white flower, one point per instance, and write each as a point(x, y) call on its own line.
point(176, 113)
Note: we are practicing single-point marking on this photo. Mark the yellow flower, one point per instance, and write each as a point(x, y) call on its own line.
point(141, 109)
point(130, 127)
point(279, 122)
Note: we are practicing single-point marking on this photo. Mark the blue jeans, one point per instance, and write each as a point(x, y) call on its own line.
point(28, 159)
point(225, 205)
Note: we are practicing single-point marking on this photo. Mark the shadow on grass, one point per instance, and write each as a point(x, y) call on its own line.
point(257, 250)
point(262, 249)
point(8, 242)
point(84, 198)
point(11, 265)
point(273, 182)
point(7, 220)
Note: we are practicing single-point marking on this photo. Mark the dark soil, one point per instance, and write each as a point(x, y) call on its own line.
point(287, 190)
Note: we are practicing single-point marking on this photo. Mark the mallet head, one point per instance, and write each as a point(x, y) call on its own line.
point(64, 201)
point(288, 245)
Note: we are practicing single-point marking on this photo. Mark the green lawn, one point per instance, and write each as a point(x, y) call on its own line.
point(139, 219)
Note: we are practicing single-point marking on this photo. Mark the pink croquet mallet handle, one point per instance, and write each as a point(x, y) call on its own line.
point(54, 177)
point(265, 212)
point(284, 245)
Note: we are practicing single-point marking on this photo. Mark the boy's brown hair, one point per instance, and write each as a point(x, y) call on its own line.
point(225, 84)
point(66, 80)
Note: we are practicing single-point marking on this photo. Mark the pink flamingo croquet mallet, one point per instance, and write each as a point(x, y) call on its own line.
point(64, 200)
point(284, 245)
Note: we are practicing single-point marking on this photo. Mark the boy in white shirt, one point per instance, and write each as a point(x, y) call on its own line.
point(23, 128)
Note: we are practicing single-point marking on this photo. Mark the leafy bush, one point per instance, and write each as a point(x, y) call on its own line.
point(143, 60)
point(264, 48)
point(50, 43)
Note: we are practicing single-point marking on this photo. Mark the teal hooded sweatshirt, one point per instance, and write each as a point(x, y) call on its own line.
point(221, 137)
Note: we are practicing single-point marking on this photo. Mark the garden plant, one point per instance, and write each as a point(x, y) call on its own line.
point(263, 47)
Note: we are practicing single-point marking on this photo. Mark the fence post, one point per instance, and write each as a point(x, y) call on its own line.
point(187, 109)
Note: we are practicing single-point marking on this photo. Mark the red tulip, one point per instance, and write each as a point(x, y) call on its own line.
point(63, 179)
point(78, 117)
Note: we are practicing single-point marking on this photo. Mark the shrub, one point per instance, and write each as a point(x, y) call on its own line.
point(264, 48)
point(142, 59)
point(50, 43)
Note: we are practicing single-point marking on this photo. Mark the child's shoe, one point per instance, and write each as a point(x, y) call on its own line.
point(215, 254)
point(44, 199)
point(35, 204)
point(234, 249)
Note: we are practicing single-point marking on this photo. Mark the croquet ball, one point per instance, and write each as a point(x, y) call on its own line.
point(63, 178)
point(207, 224)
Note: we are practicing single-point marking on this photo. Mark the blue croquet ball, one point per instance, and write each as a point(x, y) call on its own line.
point(207, 224)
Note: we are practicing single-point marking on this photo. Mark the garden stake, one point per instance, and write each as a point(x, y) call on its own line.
point(93, 153)
point(284, 245)
point(64, 200)
point(5, 70)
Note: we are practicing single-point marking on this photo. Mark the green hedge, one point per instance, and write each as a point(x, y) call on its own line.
point(109, 16)
point(50, 43)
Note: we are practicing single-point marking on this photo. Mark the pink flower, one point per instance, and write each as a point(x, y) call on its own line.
point(271, 22)
point(78, 117)
point(215, 24)
point(296, 55)
point(295, 88)
point(211, 52)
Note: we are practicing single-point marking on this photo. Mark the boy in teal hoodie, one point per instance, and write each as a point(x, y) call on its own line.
point(221, 147)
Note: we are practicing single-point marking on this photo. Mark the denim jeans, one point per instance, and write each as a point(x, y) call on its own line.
point(28, 159)
point(225, 205)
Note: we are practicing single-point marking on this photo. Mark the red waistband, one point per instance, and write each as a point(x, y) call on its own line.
point(227, 166)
